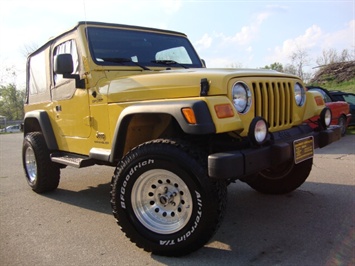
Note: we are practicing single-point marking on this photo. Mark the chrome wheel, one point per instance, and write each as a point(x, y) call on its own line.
point(30, 164)
point(42, 174)
point(161, 201)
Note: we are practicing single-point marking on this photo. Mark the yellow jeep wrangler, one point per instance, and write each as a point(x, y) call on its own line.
point(177, 133)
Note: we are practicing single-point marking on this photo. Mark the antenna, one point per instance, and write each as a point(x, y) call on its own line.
point(85, 18)
point(88, 56)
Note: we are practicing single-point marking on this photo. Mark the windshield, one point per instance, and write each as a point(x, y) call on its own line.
point(129, 47)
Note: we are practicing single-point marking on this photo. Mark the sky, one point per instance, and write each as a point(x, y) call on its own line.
point(225, 33)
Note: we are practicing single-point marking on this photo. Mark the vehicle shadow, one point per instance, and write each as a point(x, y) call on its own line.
point(92, 198)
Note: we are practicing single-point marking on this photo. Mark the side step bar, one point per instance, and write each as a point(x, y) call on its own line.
point(73, 160)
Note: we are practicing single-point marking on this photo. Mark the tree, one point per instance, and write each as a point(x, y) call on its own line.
point(330, 56)
point(11, 102)
point(29, 48)
point(275, 66)
point(290, 69)
point(300, 59)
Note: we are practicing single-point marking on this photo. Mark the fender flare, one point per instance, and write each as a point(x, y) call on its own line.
point(203, 126)
point(45, 125)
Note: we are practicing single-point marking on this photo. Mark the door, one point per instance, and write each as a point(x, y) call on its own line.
point(70, 104)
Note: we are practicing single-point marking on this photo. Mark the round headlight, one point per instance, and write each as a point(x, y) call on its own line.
point(300, 94)
point(258, 130)
point(326, 117)
point(241, 96)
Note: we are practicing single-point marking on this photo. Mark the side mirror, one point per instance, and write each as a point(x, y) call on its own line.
point(203, 63)
point(63, 65)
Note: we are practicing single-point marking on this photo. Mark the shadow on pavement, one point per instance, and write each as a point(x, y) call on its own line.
point(93, 198)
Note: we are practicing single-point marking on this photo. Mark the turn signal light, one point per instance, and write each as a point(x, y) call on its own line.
point(319, 100)
point(224, 110)
point(189, 115)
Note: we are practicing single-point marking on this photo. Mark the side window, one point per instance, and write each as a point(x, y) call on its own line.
point(327, 99)
point(38, 77)
point(37, 73)
point(68, 47)
point(350, 98)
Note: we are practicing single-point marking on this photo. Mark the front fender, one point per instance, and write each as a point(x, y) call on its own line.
point(314, 105)
point(204, 123)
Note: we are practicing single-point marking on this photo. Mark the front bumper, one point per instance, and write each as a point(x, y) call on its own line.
point(241, 163)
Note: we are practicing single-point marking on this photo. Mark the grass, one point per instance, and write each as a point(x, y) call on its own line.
point(350, 130)
point(346, 86)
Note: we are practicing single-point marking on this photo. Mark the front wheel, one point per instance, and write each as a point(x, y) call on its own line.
point(163, 199)
point(283, 179)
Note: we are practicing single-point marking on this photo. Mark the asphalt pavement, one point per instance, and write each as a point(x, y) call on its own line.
point(73, 225)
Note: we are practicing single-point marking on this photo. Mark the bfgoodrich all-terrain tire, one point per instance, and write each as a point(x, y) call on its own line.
point(42, 174)
point(163, 199)
point(283, 179)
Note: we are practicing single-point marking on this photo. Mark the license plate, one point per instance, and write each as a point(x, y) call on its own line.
point(303, 149)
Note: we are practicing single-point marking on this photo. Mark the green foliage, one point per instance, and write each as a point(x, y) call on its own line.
point(275, 66)
point(11, 102)
point(350, 130)
point(346, 86)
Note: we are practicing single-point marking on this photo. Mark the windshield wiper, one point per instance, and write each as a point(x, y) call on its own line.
point(123, 60)
point(168, 62)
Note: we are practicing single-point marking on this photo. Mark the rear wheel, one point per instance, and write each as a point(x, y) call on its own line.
point(163, 199)
point(42, 174)
point(282, 179)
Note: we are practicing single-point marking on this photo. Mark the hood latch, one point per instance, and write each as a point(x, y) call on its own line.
point(205, 86)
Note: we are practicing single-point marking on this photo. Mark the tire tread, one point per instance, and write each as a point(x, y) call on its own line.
point(218, 188)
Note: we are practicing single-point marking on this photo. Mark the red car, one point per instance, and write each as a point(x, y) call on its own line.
point(340, 110)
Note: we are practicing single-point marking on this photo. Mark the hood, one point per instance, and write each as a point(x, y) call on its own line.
point(169, 84)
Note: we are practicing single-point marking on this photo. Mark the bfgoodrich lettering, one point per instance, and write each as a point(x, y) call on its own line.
point(128, 176)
